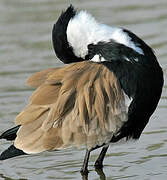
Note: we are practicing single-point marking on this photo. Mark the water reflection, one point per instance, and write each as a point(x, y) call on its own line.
point(99, 172)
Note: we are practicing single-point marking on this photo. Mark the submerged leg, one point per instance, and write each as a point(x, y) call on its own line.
point(101, 174)
point(84, 169)
point(99, 161)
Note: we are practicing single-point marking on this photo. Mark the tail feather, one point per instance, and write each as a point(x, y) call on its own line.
point(10, 134)
point(12, 151)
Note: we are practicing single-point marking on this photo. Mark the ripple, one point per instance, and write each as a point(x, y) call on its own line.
point(153, 147)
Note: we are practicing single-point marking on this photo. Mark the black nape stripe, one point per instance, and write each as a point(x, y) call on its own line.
point(59, 37)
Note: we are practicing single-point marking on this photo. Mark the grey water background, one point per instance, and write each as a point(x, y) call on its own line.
point(26, 47)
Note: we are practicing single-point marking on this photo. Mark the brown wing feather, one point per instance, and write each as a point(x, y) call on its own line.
point(39, 78)
point(79, 104)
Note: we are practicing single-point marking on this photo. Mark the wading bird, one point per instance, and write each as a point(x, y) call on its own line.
point(107, 92)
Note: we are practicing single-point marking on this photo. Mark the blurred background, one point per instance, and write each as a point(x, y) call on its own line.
point(26, 47)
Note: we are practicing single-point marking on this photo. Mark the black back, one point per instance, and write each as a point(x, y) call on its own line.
point(144, 84)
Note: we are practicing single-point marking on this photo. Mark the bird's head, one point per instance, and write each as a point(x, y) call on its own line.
point(77, 36)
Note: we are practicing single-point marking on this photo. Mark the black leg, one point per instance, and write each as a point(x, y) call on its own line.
point(99, 161)
point(84, 169)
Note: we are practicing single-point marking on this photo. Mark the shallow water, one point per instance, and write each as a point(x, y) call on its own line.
point(25, 47)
